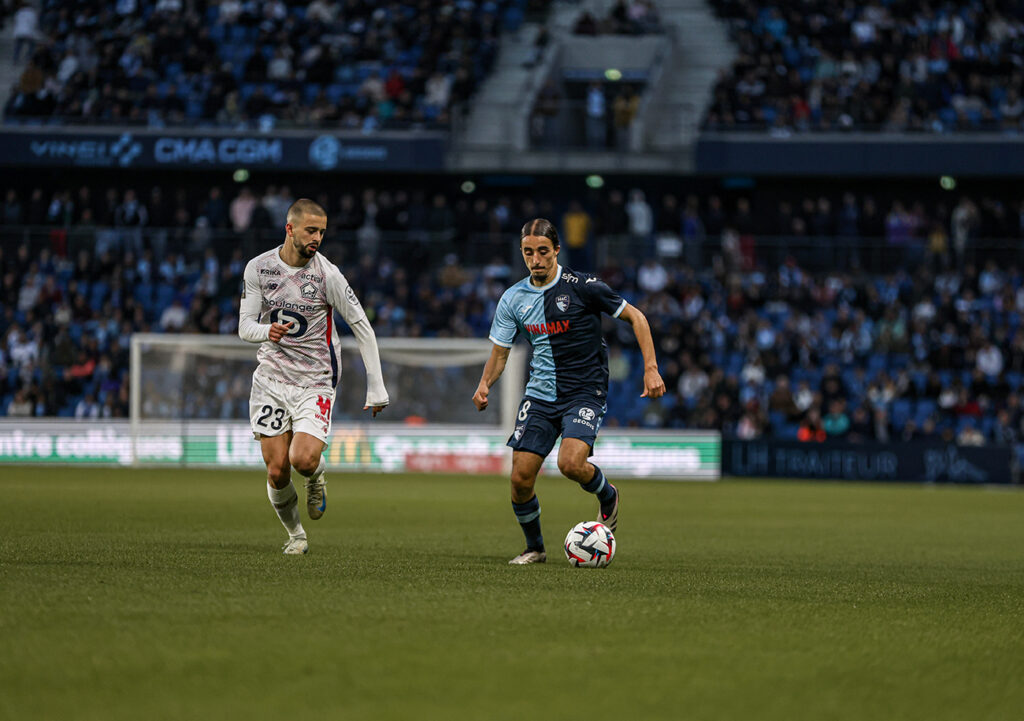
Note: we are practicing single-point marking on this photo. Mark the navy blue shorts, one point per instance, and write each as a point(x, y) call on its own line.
point(540, 423)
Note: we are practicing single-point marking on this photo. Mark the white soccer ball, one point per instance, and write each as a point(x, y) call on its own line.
point(590, 544)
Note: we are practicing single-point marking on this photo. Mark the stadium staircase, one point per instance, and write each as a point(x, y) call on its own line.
point(10, 73)
point(702, 50)
point(494, 134)
point(497, 122)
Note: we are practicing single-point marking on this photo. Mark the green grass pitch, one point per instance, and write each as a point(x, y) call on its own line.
point(163, 595)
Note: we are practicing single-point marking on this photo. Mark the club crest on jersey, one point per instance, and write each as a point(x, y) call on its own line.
point(562, 302)
point(308, 290)
point(519, 431)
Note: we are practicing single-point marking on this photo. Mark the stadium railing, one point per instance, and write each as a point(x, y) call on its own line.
point(421, 249)
point(434, 249)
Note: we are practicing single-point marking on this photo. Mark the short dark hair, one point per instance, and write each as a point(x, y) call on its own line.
point(305, 206)
point(540, 227)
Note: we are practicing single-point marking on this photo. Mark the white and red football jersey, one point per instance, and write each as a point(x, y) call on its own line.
point(306, 297)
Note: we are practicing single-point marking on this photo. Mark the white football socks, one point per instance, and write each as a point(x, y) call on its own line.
point(286, 502)
point(319, 469)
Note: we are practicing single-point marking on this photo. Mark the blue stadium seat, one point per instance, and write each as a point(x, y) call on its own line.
point(335, 91)
point(366, 69)
point(164, 296)
point(789, 432)
point(310, 91)
point(987, 424)
point(98, 295)
point(513, 19)
point(143, 294)
point(923, 410)
point(876, 364)
point(901, 412)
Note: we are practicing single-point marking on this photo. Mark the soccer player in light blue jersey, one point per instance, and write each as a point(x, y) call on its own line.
point(559, 310)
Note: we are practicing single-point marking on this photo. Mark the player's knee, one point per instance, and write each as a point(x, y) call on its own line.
point(305, 463)
point(573, 468)
point(278, 474)
point(522, 483)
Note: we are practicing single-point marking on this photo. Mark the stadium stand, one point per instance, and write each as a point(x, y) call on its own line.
point(353, 64)
point(876, 66)
point(636, 17)
point(764, 337)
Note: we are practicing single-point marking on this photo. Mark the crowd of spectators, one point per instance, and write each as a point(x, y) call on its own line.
point(350, 64)
point(755, 349)
point(881, 65)
point(626, 17)
point(939, 230)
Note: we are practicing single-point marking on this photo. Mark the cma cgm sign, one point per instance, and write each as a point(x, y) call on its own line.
point(215, 151)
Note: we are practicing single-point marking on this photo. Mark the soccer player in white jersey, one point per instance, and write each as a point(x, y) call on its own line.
point(288, 303)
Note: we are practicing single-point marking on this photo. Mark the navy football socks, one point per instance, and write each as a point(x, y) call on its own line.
point(600, 487)
point(528, 515)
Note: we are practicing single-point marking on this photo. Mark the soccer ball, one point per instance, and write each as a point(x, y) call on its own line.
point(590, 544)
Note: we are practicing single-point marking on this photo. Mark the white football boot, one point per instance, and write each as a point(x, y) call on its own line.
point(296, 546)
point(527, 557)
point(316, 497)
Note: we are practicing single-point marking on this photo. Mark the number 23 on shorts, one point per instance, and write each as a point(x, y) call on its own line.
point(271, 417)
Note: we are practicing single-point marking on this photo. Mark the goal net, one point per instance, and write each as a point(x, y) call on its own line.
point(197, 386)
point(429, 380)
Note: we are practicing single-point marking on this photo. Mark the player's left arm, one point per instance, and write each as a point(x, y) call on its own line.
point(601, 297)
point(654, 386)
point(340, 295)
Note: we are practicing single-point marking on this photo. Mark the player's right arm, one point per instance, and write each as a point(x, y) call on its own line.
point(493, 369)
point(249, 326)
point(504, 330)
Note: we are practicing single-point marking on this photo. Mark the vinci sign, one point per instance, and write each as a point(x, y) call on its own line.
point(148, 149)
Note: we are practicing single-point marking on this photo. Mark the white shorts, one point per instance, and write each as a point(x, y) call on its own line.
point(276, 408)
